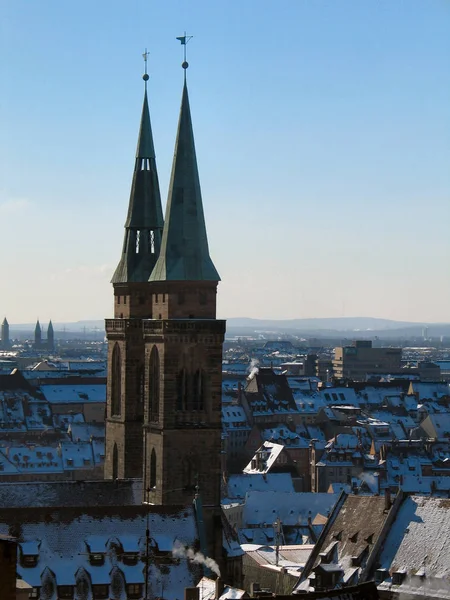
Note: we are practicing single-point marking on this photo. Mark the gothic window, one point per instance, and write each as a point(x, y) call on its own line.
point(140, 384)
point(181, 390)
point(153, 385)
point(200, 390)
point(115, 462)
point(116, 381)
point(152, 482)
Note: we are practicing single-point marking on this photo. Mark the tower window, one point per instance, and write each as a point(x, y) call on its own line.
point(118, 299)
point(181, 390)
point(115, 463)
point(153, 385)
point(124, 299)
point(152, 481)
point(156, 297)
point(164, 298)
point(116, 381)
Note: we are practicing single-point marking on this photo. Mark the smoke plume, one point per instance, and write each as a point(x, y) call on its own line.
point(253, 368)
point(180, 551)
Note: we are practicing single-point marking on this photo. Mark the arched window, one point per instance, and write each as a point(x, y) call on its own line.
point(140, 384)
point(200, 390)
point(116, 381)
point(115, 462)
point(181, 390)
point(153, 385)
point(153, 469)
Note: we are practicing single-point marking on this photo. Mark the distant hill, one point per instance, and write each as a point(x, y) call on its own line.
point(328, 323)
point(333, 327)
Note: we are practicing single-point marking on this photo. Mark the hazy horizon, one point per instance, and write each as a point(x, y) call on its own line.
point(323, 142)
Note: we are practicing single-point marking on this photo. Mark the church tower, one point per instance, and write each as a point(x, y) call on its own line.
point(5, 343)
point(38, 335)
point(132, 303)
point(183, 345)
point(50, 336)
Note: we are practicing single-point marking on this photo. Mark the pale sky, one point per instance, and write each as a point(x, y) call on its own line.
point(323, 141)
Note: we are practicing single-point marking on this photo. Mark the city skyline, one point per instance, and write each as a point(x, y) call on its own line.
point(322, 139)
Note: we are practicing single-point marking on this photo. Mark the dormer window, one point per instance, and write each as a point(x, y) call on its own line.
point(29, 553)
point(101, 592)
point(130, 558)
point(29, 560)
point(65, 591)
point(134, 590)
point(96, 558)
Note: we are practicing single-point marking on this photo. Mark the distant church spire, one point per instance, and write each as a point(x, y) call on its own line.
point(50, 336)
point(184, 252)
point(5, 334)
point(37, 334)
point(144, 224)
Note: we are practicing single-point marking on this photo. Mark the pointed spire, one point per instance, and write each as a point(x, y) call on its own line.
point(50, 331)
point(37, 333)
point(184, 248)
point(144, 224)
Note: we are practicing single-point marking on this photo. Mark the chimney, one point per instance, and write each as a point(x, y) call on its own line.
point(192, 593)
point(219, 588)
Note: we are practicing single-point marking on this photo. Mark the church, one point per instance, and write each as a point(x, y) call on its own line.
point(165, 344)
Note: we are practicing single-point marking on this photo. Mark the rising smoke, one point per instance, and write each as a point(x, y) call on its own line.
point(253, 368)
point(181, 551)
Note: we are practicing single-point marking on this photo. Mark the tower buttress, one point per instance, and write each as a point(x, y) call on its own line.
point(132, 303)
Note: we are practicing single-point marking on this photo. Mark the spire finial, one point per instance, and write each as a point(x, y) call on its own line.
point(184, 39)
point(145, 75)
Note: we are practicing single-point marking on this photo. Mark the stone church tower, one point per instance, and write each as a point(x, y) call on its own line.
point(183, 345)
point(132, 304)
point(165, 344)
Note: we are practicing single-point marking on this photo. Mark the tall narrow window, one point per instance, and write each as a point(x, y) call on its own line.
point(153, 385)
point(153, 469)
point(199, 391)
point(181, 390)
point(140, 384)
point(115, 462)
point(116, 381)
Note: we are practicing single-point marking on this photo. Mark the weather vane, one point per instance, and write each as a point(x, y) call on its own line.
point(184, 39)
point(145, 75)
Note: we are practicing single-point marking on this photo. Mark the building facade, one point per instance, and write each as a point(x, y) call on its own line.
point(356, 361)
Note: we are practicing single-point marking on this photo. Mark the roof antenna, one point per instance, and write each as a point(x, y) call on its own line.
point(185, 39)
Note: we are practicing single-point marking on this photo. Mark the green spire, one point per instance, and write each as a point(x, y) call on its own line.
point(145, 148)
point(184, 248)
point(144, 224)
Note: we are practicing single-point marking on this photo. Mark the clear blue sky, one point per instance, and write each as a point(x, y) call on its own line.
point(323, 141)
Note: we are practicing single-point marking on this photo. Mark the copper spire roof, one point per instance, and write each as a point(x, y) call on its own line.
point(184, 252)
point(144, 224)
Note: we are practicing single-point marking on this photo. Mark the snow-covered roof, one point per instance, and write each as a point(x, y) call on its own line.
point(417, 546)
point(74, 394)
point(207, 589)
point(292, 509)
point(239, 485)
point(121, 529)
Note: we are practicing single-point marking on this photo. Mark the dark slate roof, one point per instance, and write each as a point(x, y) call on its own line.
point(62, 540)
point(145, 216)
point(70, 493)
point(184, 252)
